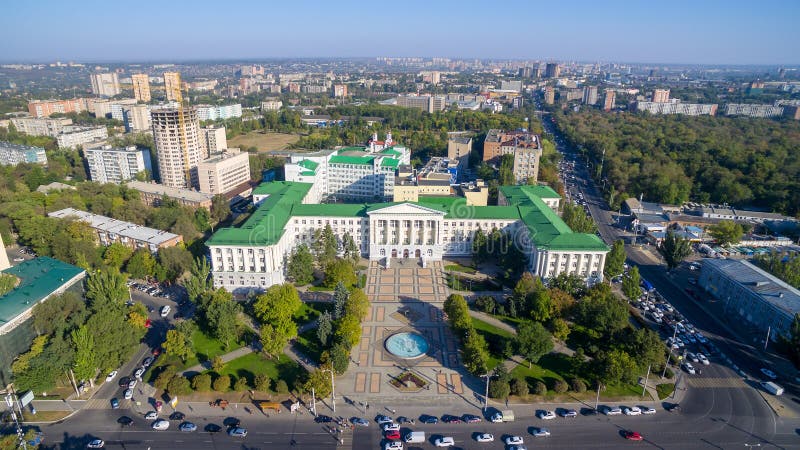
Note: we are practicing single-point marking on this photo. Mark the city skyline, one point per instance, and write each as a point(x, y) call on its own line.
point(715, 33)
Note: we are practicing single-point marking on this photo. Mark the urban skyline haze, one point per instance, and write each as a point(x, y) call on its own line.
point(711, 32)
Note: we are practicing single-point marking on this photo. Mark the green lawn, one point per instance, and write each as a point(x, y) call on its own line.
point(664, 390)
point(308, 344)
point(459, 268)
point(206, 348)
point(495, 337)
point(254, 364)
point(536, 373)
point(305, 314)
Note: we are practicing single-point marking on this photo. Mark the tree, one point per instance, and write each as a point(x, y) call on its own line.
point(339, 356)
point(526, 285)
point(165, 376)
point(222, 315)
point(220, 208)
point(576, 218)
point(141, 264)
point(475, 353)
point(320, 381)
point(222, 383)
point(279, 302)
point(519, 387)
point(106, 287)
point(178, 344)
point(324, 328)
point(340, 296)
point(201, 382)
point(178, 385)
point(116, 254)
point(560, 329)
point(533, 341)
point(174, 260)
point(340, 271)
point(241, 385)
point(262, 382)
point(646, 348)
point(674, 249)
point(560, 386)
point(601, 312)
point(351, 251)
point(540, 305)
point(615, 366)
point(562, 302)
point(217, 363)
point(275, 337)
point(85, 358)
point(499, 388)
point(457, 313)
point(357, 304)
point(630, 284)
point(726, 232)
point(479, 251)
point(348, 331)
point(615, 259)
point(199, 281)
point(300, 267)
point(539, 388)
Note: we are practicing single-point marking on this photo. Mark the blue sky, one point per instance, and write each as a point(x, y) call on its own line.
point(673, 31)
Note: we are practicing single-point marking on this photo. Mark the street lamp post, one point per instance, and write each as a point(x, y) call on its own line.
point(486, 395)
point(674, 334)
point(333, 389)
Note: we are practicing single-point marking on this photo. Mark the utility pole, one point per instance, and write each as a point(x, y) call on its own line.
point(313, 402)
point(674, 333)
point(766, 342)
point(597, 399)
point(645, 379)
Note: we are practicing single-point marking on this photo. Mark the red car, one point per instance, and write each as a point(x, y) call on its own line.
point(633, 436)
point(393, 435)
point(148, 323)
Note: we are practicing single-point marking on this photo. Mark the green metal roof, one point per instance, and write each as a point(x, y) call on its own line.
point(390, 162)
point(540, 190)
point(339, 159)
point(307, 173)
point(38, 279)
point(332, 210)
point(308, 164)
point(390, 151)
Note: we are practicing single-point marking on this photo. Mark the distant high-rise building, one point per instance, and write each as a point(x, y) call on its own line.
point(661, 96)
point(429, 103)
point(610, 100)
point(552, 70)
point(511, 85)
point(178, 147)
point(590, 95)
point(549, 95)
point(221, 112)
point(537, 71)
point(525, 72)
point(108, 164)
point(105, 84)
point(141, 87)
point(172, 86)
point(213, 138)
point(340, 90)
point(136, 118)
point(44, 108)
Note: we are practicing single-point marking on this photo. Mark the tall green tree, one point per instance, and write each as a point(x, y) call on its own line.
point(274, 309)
point(85, 358)
point(324, 328)
point(601, 312)
point(178, 344)
point(116, 254)
point(222, 315)
point(630, 284)
point(674, 249)
point(141, 264)
point(106, 286)
point(357, 304)
point(533, 341)
point(220, 208)
point(340, 271)
point(199, 281)
point(615, 259)
point(479, 251)
point(300, 266)
point(475, 353)
point(726, 232)
point(576, 218)
point(457, 313)
point(351, 251)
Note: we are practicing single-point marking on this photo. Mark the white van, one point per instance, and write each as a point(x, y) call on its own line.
point(165, 310)
point(415, 437)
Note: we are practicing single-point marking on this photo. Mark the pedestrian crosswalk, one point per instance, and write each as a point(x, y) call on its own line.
point(716, 383)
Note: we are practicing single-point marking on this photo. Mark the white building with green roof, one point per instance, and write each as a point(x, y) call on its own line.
point(253, 255)
point(349, 173)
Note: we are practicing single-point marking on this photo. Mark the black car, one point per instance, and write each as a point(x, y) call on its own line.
point(323, 419)
point(403, 419)
point(125, 421)
point(447, 418)
point(588, 412)
point(177, 415)
point(428, 419)
point(212, 428)
point(231, 422)
point(123, 382)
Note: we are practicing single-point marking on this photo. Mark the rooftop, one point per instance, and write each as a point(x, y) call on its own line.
point(767, 286)
point(118, 227)
point(160, 189)
point(39, 278)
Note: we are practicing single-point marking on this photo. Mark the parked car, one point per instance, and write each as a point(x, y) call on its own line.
point(632, 411)
point(447, 418)
point(187, 427)
point(359, 421)
point(431, 420)
point(703, 359)
point(160, 425)
point(212, 428)
point(646, 410)
point(484, 437)
point(391, 426)
point(380, 419)
point(96, 443)
point(471, 418)
point(393, 445)
point(165, 310)
point(689, 368)
point(769, 374)
point(237, 432)
point(177, 415)
point(612, 410)
point(513, 440)
point(444, 441)
point(114, 403)
point(128, 394)
point(541, 432)
point(151, 415)
point(111, 376)
point(545, 415)
point(393, 435)
point(568, 413)
point(139, 372)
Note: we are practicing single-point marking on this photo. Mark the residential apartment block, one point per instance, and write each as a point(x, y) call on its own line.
point(209, 112)
point(73, 136)
point(223, 171)
point(429, 103)
point(173, 87)
point(105, 84)
point(136, 118)
point(661, 96)
point(40, 127)
point(609, 101)
point(340, 90)
point(253, 255)
point(109, 164)
point(750, 110)
point(676, 107)
point(44, 108)
point(152, 194)
point(178, 145)
point(525, 147)
point(111, 230)
point(458, 149)
point(141, 87)
point(271, 105)
point(590, 95)
point(13, 154)
point(213, 138)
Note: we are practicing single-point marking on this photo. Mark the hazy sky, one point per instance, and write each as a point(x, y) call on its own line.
point(672, 31)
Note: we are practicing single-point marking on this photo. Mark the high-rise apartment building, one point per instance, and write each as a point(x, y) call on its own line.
point(136, 118)
point(676, 107)
point(44, 108)
point(552, 70)
point(172, 86)
point(223, 171)
point(549, 95)
point(141, 87)
point(221, 112)
point(178, 147)
point(458, 149)
point(661, 96)
point(213, 138)
point(590, 95)
point(105, 84)
point(74, 136)
point(610, 100)
point(340, 90)
point(108, 164)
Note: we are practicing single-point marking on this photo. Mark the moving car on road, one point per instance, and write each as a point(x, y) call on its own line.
point(187, 427)
point(114, 403)
point(632, 435)
point(237, 432)
point(361, 422)
point(703, 359)
point(484, 437)
point(96, 443)
point(151, 415)
point(689, 368)
point(769, 374)
point(541, 432)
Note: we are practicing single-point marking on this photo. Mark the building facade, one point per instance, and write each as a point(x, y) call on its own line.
point(458, 149)
point(172, 87)
point(141, 87)
point(271, 105)
point(44, 108)
point(552, 70)
point(609, 101)
point(109, 231)
point(752, 297)
point(137, 118)
point(13, 154)
point(109, 164)
point(105, 84)
point(40, 127)
point(340, 90)
point(152, 194)
point(429, 103)
point(661, 96)
point(213, 138)
point(253, 256)
point(750, 110)
point(525, 147)
point(209, 112)
point(549, 95)
point(674, 107)
point(178, 146)
point(223, 171)
point(590, 95)
point(74, 136)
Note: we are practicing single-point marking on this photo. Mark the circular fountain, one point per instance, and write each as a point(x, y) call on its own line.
point(407, 345)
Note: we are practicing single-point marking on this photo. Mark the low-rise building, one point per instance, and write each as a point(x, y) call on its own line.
point(109, 164)
point(429, 103)
point(271, 105)
point(44, 108)
point(109, 231)
point(223, 171)
point(44, 126)
point(752, 297)
point(75, 136)
point(152, 193)
point(13, 154)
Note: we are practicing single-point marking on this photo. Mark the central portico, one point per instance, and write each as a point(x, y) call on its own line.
point(405, 230)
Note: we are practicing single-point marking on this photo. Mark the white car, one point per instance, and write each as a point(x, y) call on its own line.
point(132, 384)
point(128, 394)
point(547, 415)
point(541, 432)
point(160, 425)
point(692, 357)
point(96, 443)
point(391, 426)
point(648, 411)
point(703, 359)
point(111, 376)
point(689, 368)
point(632, 411)
point(612, 411)
point(444, 441)
point(383, 420)
point(151, 415)
point(496, 418)
point(485, 437)
point(139, 372)
point(165, 310)
point(513, 440)
point(393, 445)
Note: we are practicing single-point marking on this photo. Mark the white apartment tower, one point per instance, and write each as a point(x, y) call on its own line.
point(178, 147)
point(214, 138)
point(108, 164)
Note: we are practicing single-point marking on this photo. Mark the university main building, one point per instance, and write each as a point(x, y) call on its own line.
point(254, 255)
